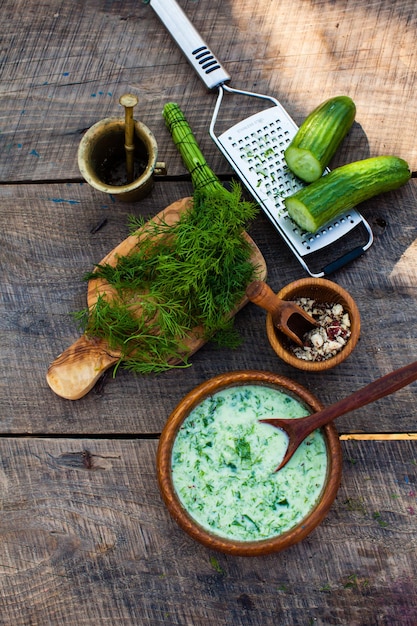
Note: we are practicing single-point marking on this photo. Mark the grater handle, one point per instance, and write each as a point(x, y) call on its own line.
point(343, 260)
point(188, 39)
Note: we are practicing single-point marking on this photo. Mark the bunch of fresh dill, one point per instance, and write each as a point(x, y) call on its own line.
point(180, 277)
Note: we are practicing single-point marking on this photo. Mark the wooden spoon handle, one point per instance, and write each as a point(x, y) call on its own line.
point(76, 370)
point(299, 429)
point(261, 294)
point(379, 388)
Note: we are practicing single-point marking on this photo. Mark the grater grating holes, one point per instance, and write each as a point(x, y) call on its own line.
point(309, 238)
point(263, 150)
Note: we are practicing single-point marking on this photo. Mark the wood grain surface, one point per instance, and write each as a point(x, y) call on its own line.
point(84, 536)
point(44, 286)
point(64, 68)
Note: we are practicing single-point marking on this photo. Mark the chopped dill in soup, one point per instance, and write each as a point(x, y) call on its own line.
point(223, 463)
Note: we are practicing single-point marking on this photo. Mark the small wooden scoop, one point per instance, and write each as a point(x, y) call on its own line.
point(298, 429)
point(76, 370)
point(287, 316)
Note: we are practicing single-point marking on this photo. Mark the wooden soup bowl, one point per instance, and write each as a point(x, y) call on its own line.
point(321, 290)
point(253, 547)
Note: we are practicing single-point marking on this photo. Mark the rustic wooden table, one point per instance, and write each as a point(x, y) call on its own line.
point(84, 535)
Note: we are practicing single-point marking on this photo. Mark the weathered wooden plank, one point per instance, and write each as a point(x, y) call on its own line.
point(46, 247)
point(379, 437)
point(85, 538)
point(64, 67)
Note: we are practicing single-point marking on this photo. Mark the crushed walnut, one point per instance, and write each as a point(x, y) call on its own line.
point(331, 334)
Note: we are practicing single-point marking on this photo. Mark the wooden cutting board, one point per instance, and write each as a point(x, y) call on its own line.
point(76, 370)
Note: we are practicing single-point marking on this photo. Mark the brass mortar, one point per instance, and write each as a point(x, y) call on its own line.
point(102, 159)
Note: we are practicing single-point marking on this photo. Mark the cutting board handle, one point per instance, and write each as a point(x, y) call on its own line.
point(76, 370)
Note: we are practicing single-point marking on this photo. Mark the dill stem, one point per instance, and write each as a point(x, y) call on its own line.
point(202, 176)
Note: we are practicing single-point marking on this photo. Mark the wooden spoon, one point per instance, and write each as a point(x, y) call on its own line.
point(298, 429)
point(287, 316)
point(76, 370)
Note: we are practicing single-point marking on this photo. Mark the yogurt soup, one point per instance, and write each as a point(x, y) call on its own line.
point(223, 463)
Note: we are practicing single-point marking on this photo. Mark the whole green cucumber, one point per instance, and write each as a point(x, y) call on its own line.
point(343, 188)
point(319, 136)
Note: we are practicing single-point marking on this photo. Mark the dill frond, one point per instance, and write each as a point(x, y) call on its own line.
point(179, 277)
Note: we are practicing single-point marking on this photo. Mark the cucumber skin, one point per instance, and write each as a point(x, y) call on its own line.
point(319, 136)
point(345, 187)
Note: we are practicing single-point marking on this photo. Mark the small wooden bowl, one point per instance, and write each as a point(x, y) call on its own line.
point(322, 290)
point(164, 465)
